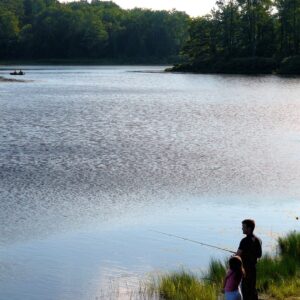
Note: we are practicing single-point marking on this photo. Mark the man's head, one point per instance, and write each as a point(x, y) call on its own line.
point(248, 226)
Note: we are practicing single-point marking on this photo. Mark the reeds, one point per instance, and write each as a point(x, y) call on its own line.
point(185, 285)
point(277, 276)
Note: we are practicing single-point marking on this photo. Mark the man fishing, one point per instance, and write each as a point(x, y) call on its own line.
point(249, 250)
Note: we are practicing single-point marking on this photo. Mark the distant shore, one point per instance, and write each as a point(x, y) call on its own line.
point(242, 65)
point(89, 62)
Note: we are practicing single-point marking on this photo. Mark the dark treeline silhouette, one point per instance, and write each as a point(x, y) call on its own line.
point(238, 36)
point(48, 29)
point(245, 36)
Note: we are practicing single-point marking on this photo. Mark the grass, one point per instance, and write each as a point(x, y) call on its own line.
point(277, 276)
point(184, 285)
point(285, 289)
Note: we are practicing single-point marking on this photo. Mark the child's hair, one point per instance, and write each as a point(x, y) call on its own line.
point(236, 265)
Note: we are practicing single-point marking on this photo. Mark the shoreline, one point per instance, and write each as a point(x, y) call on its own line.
point(277, 276)
point(86, 62)
point(167, 69)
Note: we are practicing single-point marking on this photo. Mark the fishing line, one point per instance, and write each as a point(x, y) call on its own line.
point(193, 241)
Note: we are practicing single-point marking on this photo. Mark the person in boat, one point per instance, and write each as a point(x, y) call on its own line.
point(249, 250)
point(21, 72)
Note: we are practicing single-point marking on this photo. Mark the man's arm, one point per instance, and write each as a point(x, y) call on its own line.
point(259, 248)
point(241, 247)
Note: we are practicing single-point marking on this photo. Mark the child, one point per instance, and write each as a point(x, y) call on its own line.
point(233, 279)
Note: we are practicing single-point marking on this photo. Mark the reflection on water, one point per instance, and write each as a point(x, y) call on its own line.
point(92, 158)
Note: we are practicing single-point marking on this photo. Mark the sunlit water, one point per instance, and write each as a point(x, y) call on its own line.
point(94, 158)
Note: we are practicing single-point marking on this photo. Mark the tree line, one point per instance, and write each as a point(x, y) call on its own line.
point(245, 36)
point(238, 36)
point(48, 29)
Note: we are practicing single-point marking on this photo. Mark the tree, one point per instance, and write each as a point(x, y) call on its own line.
point(9, 30)
point(257, 25)
point(227, 15)
point(289, 26)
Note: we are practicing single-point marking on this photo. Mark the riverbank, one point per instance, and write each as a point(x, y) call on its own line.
point(278, 277)
point(244, 66)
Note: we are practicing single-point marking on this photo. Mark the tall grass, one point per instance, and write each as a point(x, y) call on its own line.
point(289, 246)
point(216, 272)
point(185, 286)
point(274, 270)
point(285, 289)
point(277, 276)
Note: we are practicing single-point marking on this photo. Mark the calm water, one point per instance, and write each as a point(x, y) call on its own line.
point(93, 158)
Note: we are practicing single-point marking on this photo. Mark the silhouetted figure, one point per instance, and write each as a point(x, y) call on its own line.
point(17, 73)
point(233, 279)
point(249, 251)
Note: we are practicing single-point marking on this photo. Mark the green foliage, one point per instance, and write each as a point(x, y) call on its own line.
point(289, 23)
point(244, 36)
point(250, 65)
point(48, 29)
point(290, 65)
point(285, 289)
point(185, 286)
point(238, 36)
point(16, 7)
point(277, 276)
point(289, 246)
point(9, 30)
point(216, 272)
point(274, 270)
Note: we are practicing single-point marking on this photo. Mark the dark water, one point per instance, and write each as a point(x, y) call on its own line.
point(92, 158)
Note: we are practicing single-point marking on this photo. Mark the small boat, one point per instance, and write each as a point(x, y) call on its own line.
point(17, 73)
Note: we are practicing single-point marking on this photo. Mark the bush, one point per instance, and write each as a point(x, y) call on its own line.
point(246, 65)
point(290, 66)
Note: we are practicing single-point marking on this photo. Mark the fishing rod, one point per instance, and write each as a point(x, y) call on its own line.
point(193, 241)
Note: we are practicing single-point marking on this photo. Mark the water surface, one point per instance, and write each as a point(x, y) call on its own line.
point(93, 158)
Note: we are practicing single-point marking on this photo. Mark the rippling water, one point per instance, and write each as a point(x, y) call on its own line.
point(91, 158)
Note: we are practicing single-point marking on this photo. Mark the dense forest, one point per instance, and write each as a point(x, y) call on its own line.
point(97, 30)
point(245, 36)
point(238, 36)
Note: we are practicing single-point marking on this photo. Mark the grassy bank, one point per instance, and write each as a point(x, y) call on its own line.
point(278, 277)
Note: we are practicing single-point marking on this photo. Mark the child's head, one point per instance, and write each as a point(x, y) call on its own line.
point(235, 263)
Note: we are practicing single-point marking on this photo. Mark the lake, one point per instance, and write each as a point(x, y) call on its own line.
point(93, 159)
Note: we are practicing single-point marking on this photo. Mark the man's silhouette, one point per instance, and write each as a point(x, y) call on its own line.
point(249, 251)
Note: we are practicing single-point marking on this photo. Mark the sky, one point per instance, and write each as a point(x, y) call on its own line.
point(192, 7)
